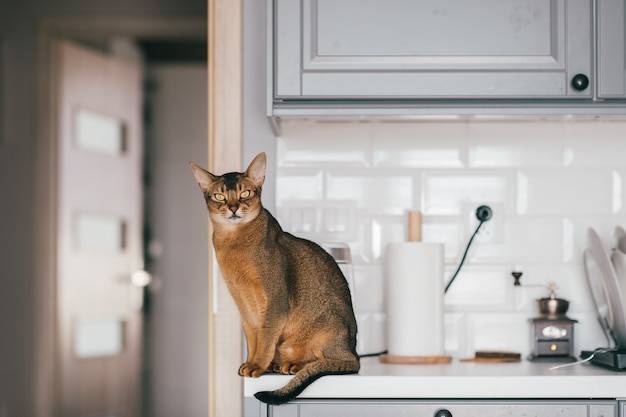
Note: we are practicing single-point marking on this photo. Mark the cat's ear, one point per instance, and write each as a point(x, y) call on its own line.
point(256, 170)
point(203, 177)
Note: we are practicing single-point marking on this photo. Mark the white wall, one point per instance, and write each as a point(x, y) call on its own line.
point(258, 135)
point(547, 181)
point(177, 318)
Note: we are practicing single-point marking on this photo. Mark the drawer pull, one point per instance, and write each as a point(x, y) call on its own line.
point(580, 82)
point(442, 413)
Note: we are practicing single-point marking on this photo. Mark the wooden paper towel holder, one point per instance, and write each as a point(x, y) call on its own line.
point(414, 226)
point(415, 235)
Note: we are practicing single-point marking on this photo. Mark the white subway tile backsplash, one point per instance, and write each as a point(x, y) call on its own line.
point(324, 143)
point(595, 144)
point(386, 230)
point(338, 220)
point(447, 230)
point(391, 229)
point(321, 220)
point(575, 240)
point(524, 300)
point(359, 246)
point(588, 333)
point(531, 240)
point(369, 294)
point(445, 193)
point(318, 144)
point(619, 192)
point(299, 184)
point(362, 323)
point(378, 193)
point(479, 288)
point(372, 333)
point(559, 191)
point(547, 182)
point(454, 334)
point(299, 220)
point(430, 145)
point(506, 144)
point(571, 284)
point(510, 332)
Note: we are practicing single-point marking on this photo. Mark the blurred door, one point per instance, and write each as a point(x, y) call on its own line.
point(99, 316)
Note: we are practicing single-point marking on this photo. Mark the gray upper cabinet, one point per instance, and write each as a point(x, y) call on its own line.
point(442, 49)
point(611, 49)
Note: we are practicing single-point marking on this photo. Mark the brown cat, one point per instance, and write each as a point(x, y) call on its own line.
point(294, 301)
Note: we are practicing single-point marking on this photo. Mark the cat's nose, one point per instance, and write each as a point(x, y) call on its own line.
point(233, 209)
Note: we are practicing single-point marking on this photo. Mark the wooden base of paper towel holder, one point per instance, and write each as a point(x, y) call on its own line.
point(415, 360)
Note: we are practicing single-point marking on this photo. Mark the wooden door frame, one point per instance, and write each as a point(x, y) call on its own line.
point(225, 155)
point(45, 386)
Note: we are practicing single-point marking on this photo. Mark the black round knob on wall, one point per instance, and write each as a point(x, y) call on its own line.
point(580, 82)
point(442, 413)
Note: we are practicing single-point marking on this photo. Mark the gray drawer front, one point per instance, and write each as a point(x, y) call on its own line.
point(408, 408)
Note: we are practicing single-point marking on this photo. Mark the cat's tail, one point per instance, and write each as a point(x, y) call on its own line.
point(306, 376)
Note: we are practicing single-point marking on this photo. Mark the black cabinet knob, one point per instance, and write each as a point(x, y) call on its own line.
point(442, 413)
point(580, 82)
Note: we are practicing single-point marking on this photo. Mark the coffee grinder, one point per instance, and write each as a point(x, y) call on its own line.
point(552, 333)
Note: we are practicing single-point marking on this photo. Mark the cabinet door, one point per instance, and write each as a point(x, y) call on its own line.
point(431, 49)
point(611, 17)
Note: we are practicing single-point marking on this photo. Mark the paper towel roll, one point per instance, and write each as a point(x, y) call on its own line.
point(415, 299)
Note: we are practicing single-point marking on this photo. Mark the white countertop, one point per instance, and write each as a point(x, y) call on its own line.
point(459, 380)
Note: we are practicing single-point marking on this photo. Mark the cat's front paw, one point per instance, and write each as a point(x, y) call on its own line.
point(251, 370)
point(290, 368)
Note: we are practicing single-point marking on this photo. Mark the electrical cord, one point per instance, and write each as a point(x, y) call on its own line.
point(483, 214)
point(369, 355)
point(464, 255)
point(587, 359)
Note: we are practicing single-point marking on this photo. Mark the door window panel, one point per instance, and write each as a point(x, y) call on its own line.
point(99, 232)
point(99, 132)
point(95, 337)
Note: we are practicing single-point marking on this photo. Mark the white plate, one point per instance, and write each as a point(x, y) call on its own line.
point(610, 307)
point(618, 259)
point(594, 279)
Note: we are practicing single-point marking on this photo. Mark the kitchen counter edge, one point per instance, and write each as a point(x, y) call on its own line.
point(517, 380)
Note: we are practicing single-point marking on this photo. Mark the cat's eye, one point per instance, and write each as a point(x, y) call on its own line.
point(245, 194)
point(219, 197)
